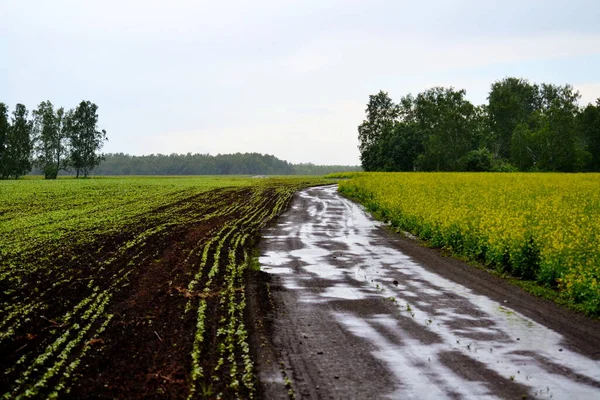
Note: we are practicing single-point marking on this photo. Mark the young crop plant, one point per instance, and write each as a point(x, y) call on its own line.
point(136, 277)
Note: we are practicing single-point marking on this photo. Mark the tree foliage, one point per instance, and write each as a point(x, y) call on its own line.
point(588, 128)
point(205, 164)
point(4, 126)
point(50, 139)
point(85, 138)
point(446, 122)
point(511, 103)
point(53, 140)
point(382, 115)
point(18, 144)
point(524, 126)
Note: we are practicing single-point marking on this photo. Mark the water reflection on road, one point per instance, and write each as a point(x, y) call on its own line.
point(440, 339)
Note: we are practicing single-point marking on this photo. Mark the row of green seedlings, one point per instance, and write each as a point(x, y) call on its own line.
point(54, 360)
point(18, 311)
point(138, 241)
point(225, 212)
point(53, 248)
point(232, 333)
point(57, 223)
point(36, 301)
point(72, 344)
point(79, 322)
point(218, 241)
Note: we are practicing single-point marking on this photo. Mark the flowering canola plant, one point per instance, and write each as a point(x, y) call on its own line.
point(542, 227)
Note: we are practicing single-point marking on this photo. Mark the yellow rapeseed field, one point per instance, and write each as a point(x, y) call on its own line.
point(543, 227)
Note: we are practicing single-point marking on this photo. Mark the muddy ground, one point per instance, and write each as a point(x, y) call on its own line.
point(346, 309)
point(145, 352)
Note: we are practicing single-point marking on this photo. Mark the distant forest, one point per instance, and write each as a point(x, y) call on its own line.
point(524, 127)
point(205, 164)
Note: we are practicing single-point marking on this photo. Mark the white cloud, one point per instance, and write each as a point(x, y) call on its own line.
point(290, 78)
point(405, 53)
point(590, 92)
point(326, 137)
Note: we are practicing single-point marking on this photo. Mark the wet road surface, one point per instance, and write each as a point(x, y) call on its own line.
point(365, 313)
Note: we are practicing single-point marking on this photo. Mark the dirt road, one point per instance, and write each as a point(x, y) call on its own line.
point(357, 312)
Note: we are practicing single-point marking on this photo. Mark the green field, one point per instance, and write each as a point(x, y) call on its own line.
point(136, 282)
point(136, 287)
point(538, 227)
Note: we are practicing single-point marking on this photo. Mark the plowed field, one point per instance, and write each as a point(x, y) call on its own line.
point(149, 302)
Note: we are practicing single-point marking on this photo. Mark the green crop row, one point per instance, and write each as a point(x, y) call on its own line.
point(69, 247)
point(232, 337)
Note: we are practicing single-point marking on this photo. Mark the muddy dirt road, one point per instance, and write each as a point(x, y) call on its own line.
point(360, 312)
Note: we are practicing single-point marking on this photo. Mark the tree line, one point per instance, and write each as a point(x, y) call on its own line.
point(205, 164)
point(523, 127)
point(52, 140)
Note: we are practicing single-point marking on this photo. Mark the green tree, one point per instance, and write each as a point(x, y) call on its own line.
point(482, 134)
point(84, 138)
point(50, 139)
point(399, 148)
point(406, 142)
point(480, 160)
point(535, 127)
point(588, 126)
point(448, 125)
point(523, 148)
point(382, 115)
point(4, 127)
point(511, 102)
point(547, 141)
point(19, 144)
point(559, 106)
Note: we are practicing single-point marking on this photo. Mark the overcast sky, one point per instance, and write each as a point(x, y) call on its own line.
point(288, 78)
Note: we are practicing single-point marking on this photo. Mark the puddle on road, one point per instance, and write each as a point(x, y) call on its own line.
point(344, 292)
point(432, 317)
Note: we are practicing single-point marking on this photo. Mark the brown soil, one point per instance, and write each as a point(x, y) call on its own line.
point(147, 348)
point(145, 352)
